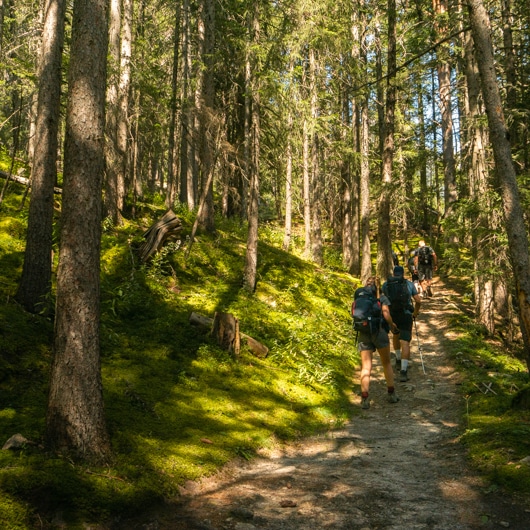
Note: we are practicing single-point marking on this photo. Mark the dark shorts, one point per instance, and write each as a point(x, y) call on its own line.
point(425, 272)
point(404, 322)
point(374, 341)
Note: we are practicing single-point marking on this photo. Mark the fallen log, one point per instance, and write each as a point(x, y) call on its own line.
point(23, 180)
point(257, 348)
point(168, 226)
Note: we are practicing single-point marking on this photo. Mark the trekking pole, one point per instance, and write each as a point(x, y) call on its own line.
point(419, 347)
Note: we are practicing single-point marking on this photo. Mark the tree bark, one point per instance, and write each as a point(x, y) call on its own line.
point(123, 102)
point(288, 184)
point(225, 329)
point(112, 155)
point(478, 177)
point(35, 282)
point(209, 124)
point(75, 416)
point(186, 151)
point(364, 179)
point(384, 242)
point(317, 251)
point(171, 173)
point(346, 224)
point(504, 168)
point(444, 90)
point(306, 189)
point(251, 255)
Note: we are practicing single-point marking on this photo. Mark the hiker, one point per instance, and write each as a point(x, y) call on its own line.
point(395, 258)
point(400, 293)
point(426, 262)
point(414, 276)
point(372, 321)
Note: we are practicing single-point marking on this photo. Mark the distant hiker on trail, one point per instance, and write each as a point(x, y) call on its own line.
point(372, 320)
point(401, 293)
point(426, 262)
point(395, 258)
point(414, 276)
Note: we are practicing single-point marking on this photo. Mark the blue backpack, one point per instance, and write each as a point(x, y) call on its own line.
point(366, 311)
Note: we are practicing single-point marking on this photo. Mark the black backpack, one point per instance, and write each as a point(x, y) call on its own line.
point(425, 255)
point(366, 311)
point(399, 295)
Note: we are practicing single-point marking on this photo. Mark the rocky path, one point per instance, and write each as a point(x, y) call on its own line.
point(392, 467)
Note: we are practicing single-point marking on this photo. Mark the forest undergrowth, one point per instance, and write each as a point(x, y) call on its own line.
point(177, 406)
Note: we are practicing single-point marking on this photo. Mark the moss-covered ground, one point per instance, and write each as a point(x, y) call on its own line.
point(177, 406)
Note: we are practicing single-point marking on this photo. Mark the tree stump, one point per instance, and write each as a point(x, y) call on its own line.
point(168, 226)
point(225, 329)
point(257, 348)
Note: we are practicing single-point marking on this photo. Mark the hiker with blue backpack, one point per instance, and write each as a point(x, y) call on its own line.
point(404, 304)
point(372, 321)
point(426, 261)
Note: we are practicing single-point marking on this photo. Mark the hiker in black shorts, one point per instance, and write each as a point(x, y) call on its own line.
point(401, 293)
point(426, 261)
point(375, 337)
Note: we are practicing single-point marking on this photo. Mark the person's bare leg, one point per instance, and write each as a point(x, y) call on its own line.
point(384, 353)
point(366, 370)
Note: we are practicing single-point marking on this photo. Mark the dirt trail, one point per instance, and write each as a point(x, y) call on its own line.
point(393, 466)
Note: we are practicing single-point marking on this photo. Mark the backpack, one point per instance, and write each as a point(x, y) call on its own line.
point(398, 293)
point(425, 255)
point(366, 311)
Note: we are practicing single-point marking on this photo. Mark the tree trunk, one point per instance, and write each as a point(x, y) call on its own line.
point(364, 178)
point(123, 103)
point(288, 184)
point(186, 151)
point(478, 185)
point(210, 126)
point(384, 242)
point(424, 198)
point(346, 189)
point(306, 189)
point(171, 173)
point(75, 417)
point(36, 273)
point(112, 156)
point(510, 60)
point(505, 172)
point(444, 90)
point(251, 255)
point(317, 252)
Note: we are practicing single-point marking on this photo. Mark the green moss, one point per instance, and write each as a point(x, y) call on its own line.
point(497, 436)
point(177, 406)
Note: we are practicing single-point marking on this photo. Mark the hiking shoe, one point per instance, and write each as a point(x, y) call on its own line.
point(403, 376)
point(429, 292)
point(365, 403)
point(393, 398)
